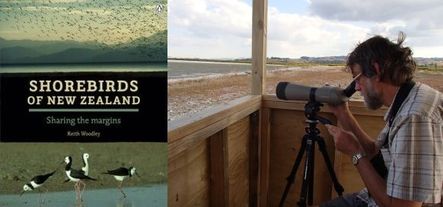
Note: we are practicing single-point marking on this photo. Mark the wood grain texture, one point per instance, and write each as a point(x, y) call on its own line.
point(184, 136)
point(238, 136)
point(226, 113)
point(259, 40)
point(219, 185)
point(188, 177)
point(212, 163)
point(264, 158)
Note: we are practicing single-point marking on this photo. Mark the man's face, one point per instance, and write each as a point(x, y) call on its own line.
point(372, 96)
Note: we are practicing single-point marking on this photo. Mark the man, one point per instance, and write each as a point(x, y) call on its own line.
point(411, 143)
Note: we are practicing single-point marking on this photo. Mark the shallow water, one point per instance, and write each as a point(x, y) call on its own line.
point(154, 196)
point(179, 69)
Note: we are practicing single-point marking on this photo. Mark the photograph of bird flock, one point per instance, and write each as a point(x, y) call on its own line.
point(82, 31)
point(58, 36)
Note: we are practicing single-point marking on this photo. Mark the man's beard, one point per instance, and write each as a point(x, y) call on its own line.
point(372, 98)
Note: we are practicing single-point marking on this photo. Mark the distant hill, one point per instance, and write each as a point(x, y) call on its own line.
point(143, 49)
point(305, 60)
point(71, 55)
point(335, 60)
point(18, 52)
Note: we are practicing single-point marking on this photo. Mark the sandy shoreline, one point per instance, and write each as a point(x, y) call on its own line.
point(188, 96)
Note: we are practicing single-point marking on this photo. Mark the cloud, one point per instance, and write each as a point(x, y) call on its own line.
point(420, 20)
point(374, 10)
point(426, 14)
point(293, 35)
point(222, 29)
point(211, 28)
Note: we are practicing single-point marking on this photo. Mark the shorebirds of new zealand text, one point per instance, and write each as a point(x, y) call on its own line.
point(36, 182)
point(120, 174)
point(76, 176)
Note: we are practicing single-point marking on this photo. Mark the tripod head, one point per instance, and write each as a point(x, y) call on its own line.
point(312, 108)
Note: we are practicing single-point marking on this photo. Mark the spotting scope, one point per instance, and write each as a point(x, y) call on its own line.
point(326, 94)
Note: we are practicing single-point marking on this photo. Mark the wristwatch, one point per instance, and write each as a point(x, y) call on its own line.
point(356, 157)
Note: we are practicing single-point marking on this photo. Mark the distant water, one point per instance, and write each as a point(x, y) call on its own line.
point(154, 196)
point(124, 67)
point(178, 69)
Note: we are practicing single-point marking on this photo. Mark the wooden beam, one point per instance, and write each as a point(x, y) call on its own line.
point(357, 106)
point(219, 182)
point(259, 36)
point(264, 157)
point(183, 137)
point(253, 158)
point(178, 129)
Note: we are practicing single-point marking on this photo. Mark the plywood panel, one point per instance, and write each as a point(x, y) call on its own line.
point(287, 130)
point(188, 177)
point(238, 136)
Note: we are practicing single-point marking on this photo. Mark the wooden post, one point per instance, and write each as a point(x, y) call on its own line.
point(219, 187)
point(253, 158)
point(264, 157)
point(259, 36)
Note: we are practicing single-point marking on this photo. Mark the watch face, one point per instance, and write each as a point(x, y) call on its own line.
point(356, 157)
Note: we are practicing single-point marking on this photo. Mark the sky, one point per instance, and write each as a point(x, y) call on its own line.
point(105, 21)
point(221, 29)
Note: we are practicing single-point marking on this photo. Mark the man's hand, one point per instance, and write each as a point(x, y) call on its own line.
point(345, 141)
point(340, 109)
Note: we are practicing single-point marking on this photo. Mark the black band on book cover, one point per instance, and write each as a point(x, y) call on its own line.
point(83, 107)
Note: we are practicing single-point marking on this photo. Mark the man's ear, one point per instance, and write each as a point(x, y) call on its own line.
point(377, 70)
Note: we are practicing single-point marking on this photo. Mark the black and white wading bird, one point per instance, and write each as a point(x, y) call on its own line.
point(37, 182)
point(121, 174)
point(85, 167)
point(77, 176)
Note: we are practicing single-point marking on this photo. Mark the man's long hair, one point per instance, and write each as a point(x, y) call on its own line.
point(396, 63)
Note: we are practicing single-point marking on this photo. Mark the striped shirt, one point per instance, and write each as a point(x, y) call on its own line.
point(414, 154)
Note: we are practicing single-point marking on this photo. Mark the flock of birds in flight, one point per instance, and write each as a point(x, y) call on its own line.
point(105, 21)
point(79, 176)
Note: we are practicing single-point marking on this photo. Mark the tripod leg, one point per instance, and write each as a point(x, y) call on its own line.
point(307, 172)
point(311, 176)
point(291, 177)
point(338, 187)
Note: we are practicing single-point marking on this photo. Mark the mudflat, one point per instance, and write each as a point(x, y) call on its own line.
point(186, 97)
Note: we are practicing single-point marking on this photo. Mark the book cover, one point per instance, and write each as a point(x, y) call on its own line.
point(83, 103)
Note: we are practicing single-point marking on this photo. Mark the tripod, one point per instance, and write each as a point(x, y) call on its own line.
point(308, 145)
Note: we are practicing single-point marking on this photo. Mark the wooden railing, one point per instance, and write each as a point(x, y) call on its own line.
point(211, 161)
point(240, 153)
